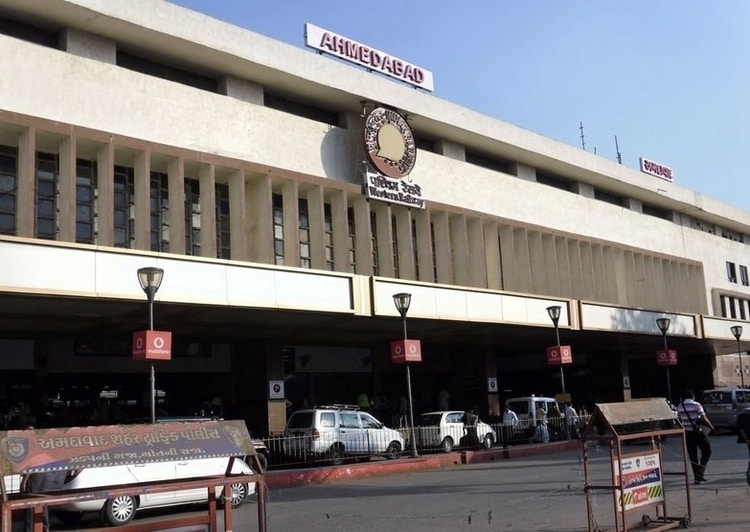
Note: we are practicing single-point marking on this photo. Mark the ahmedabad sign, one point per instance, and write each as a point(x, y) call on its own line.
point(370, 58)
point(392, 152)
point(655, 169)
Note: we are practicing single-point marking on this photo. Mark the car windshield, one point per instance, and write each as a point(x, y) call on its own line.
point(300, 420)
point(716, 397)
point(426, 420)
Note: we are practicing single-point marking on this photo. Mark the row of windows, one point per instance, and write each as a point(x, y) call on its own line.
point(735, 308)
point(47, 209)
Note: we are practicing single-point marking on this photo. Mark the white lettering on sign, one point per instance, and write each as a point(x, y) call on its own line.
point(367, 57)
point(656, 169)
point(393, 191)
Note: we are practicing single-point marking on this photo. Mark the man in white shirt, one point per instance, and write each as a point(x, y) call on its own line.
point(510, 421)
point(571, 420)
point(693, 418)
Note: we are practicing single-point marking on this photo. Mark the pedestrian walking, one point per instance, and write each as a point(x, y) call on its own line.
point(743, 436)
point(571, 421)
point(694, 419)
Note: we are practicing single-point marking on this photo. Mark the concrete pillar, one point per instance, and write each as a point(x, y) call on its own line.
point(66, 190)
point(238, 236)
point(176, 184)
point(26, 197)
point(85, 44)
point(105, 203)
point(259, 219)
point(207, 180)
point(142, 185)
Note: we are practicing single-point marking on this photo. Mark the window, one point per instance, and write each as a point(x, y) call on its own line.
point(352, 240)
point(394, 246)
point(328, 228)
point(192, 217)
point(223, 230)
point(159, 209)
point(743, 276)
point(46, 196)
point(374, 238)
point(124, 207)
point(304, 234)
point(731, 272)
point(553, 181)
point(278, 229)
point(8, 186)
point(85, 201)
point(414, 247)
point(608, 197)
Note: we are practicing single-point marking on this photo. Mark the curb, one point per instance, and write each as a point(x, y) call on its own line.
point(291, 478)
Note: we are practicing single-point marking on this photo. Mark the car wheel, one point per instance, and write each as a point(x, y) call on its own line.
point(69, 518)
point(488, 441)
point(336, 454)
point(447, 444)
point(238, 494)
point(119, 510)
point(393, 451)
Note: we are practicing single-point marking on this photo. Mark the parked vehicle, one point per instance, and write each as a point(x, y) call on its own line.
point(121, 510)
point(722, 405)
point(526, 409)
point(446, 430)
point(337, 432)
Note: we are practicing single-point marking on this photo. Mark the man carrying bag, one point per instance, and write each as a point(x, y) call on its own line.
point(693, 418)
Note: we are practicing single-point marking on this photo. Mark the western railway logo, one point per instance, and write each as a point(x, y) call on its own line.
point(392, 152)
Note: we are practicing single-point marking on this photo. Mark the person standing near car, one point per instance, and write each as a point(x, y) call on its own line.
point(510, 422)
point(693, 418)
point(743, 436)
point(542, 432)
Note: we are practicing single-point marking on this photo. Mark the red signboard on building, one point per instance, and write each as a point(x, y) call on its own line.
point(406, 351)
point(561, 354)
point(666, 357)
point(152, 345)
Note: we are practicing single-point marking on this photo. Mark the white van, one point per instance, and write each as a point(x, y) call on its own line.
point(723, 404)
point(526, 407)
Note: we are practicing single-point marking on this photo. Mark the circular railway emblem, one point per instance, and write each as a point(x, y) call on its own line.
point(389, 143)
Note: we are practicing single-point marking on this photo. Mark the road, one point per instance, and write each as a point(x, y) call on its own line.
point(541, 493)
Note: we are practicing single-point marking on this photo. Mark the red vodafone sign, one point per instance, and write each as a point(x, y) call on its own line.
point(561, 354)
point(666, 357)
point(152, 345)
point(406, 351)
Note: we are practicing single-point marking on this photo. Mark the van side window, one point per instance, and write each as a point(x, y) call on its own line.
point(350, 420)
point(327, 419)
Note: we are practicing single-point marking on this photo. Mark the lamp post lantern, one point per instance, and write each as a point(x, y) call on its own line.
point(737, 332)
point(663, 324)
point(554, 314)
point(150, 279)
point(402, 301)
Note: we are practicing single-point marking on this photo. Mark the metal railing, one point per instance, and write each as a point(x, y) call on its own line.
point(330, 448)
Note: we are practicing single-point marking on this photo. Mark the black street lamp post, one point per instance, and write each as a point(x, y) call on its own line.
point(150, 279)
point(737, 332)
point(554, 314)
point(663, 324)
point(402, 301)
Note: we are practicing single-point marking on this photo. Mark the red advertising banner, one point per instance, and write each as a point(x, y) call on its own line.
point(557, 355)
point(31, 451)
point(152, 345)
point(403, 351)
point(666, 357)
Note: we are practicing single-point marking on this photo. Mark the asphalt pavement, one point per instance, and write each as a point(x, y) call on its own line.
point(530, 488)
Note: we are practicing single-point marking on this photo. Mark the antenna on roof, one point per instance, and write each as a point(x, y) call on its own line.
point(583, 141)
point(617, 147)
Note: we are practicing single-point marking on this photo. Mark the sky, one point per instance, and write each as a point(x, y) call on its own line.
point(669, 79)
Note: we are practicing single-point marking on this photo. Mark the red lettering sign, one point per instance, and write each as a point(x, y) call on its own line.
point(666, 357)
point(557, 355)
point(152, 345)
point(403, 351)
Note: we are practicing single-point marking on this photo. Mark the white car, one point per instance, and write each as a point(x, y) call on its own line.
point(338, 432)
point(446, 429)
point(121, 510)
